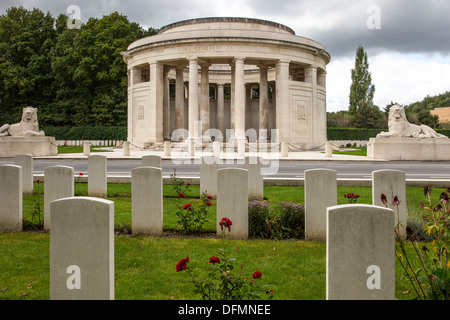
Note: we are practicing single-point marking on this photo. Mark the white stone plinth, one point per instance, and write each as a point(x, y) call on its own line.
point(36, 146)
point(409, 149)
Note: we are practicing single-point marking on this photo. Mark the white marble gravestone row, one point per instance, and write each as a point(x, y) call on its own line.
point(360, 253)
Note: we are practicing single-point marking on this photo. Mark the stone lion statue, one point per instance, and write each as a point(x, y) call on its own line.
point(28, 126)
point(399, 127)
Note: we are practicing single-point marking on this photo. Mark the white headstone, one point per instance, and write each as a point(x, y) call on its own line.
point(232, 201)
point(97, 176)
point(26, 162)
point(82, 249)
point(151, 161)
point(255, 179)
point(320, 193)
point(59, 184)
point(86, 148)
point(208, 175)
point(147, 201)
point(391, 183)
point(11, 194)
point(360, 253)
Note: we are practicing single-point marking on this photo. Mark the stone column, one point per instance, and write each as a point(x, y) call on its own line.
point(220, 109)
point(156, 102)
point(233, 97)
point(282, 98)
point(179, 98)
point(130, 106)
point(263, 101)
point(166, 104)
point(193, 104)
point(239, 112)
point(248, 106)
point(204, 107)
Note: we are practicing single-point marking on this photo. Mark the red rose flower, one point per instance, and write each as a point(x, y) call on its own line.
point(181, 194)
point(225, 222)
point(214, 260)
point(209, 204)
point(257, 275)
point(208, 197)
point(188, 184)
point(187, 206)
point(181, 265)
point(37, 181)
point(81, 174)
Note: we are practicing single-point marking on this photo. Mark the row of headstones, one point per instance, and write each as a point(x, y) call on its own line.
point(359, 252)
point(360, 238)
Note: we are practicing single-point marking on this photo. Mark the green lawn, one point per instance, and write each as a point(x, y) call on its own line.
point(79, 149)
point(354, 151)
point(145, 266)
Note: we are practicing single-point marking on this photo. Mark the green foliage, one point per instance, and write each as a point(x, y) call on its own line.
point(86, 133)
point(226, 281)
point(75, 77)
point(282, 220)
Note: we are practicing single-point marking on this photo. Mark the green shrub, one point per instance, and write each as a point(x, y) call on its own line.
point(292, 218)
point(259, 219)
point(280, 221)
point(87, 133)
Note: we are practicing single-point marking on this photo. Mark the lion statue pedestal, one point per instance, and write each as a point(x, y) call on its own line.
point(25, 137)
point(407, 141)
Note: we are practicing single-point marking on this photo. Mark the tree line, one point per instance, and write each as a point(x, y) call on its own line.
point(74, 76)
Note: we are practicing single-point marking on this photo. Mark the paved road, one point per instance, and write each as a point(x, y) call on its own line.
point(283, 169)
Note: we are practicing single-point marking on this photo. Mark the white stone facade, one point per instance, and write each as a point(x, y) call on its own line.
point(209, 69)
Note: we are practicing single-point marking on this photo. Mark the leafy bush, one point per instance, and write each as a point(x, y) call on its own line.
point(86, 133)
point(282, 220)
point(292, 217)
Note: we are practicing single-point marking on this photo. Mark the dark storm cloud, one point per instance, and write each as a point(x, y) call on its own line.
point(419, 26)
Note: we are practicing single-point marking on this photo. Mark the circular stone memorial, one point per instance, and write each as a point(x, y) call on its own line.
point(226, 77)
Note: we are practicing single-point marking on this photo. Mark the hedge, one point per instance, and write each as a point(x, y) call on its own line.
point(363, 134)
point(86, 133)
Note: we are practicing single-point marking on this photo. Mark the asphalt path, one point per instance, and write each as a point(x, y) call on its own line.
point(276, 169)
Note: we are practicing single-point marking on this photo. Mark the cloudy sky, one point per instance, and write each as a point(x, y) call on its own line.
point(407, 41)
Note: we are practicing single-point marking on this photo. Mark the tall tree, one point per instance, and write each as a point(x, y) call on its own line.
point(365, 113)
point(361, 90)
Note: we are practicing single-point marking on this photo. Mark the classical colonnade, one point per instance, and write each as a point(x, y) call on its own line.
point(170, 76)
